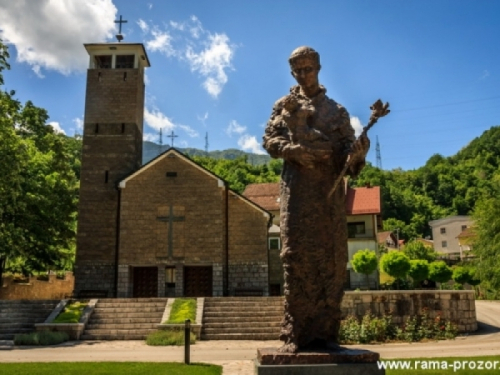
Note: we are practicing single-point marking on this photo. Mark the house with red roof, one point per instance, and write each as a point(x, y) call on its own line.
point(363, 209)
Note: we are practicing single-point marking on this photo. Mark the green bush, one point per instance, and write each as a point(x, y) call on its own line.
point(41, 338)
point(182, 309)
point(371, 329)
point(172, 336)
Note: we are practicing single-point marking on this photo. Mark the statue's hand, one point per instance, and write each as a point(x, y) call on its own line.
point(360, 146)
point(304, 156)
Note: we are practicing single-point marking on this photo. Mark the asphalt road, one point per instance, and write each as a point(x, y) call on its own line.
point(237, 356)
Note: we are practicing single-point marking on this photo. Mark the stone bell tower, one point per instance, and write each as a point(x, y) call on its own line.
point(112, 149)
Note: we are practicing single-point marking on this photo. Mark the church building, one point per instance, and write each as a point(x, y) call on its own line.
point(168, 228)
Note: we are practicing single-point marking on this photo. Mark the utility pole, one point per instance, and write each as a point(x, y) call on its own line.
point(161, 143)
point(206, 144)
point(379, 158)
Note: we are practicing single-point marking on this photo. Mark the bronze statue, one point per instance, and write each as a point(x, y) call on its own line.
point(313, 134)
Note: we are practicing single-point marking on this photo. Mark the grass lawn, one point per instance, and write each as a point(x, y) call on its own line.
point(182, 309)
point(101, 368)
point(447, 366)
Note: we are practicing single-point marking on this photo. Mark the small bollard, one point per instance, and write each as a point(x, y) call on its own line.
point(187, 341)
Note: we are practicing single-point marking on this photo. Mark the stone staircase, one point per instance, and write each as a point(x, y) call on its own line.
point(20, 316)
point(242, 318)
point(124, 318)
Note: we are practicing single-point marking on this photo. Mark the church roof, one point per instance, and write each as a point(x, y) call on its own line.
point(174, 152)
point(359, 201)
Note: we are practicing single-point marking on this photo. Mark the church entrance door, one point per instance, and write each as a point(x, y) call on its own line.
point(145, 282)
point(198, 281)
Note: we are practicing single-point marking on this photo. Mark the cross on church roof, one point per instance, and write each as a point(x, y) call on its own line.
point(119, 36)
point(172, 136)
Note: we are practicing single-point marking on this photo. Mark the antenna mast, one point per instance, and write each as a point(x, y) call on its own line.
point(379, 158)
point(206, 144)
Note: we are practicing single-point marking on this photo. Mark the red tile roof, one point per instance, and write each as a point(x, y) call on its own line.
point(382, 236)
point(363, 200)
point(359, 201)
point(265, 195)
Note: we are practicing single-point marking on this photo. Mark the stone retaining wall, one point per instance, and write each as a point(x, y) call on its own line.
point(35, 289)
point(457, 306)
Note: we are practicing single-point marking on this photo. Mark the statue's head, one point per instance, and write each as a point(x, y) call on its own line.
point(305, 66)
point(304, 52)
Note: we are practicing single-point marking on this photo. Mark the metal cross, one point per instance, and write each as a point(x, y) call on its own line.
point(170, 219)
point(120, 22)
point(172, 136)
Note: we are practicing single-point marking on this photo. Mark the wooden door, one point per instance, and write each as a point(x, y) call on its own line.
point(145, 282)
point(198, 281)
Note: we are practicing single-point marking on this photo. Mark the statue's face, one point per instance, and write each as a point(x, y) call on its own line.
point(305, 71)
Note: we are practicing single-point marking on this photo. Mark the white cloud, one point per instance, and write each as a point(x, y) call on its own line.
point(190, 131)
point(160, 43)
point(249, 143)
point(143, 25)
point(150, 6)
point(78, 123)
point(207, 54)
point(212, 62)
point(150, 137)
point(49, 34)
point(357, 125)
point(57, 127)
point(203, 119)
point(235, 128)
point(157, 120)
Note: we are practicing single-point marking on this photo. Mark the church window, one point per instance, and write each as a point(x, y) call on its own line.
point(125, 61)
point(96, 129)
point(123, 128)
point(274, 244)
point(103, 61)
point(106, 177)
point(171, 174)
point(356, 229)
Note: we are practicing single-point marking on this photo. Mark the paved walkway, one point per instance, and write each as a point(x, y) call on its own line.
point(237, 356)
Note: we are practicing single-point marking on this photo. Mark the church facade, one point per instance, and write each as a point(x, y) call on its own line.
point(168, 228)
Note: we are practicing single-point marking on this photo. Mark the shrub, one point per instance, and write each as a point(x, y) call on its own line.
point(41, 338)
point(373, 329)
point(440, 272)
point(172, 336)
point(395, 264)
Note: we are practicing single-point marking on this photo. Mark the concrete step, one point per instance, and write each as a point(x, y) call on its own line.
point(236, 329)
point(243, 326)
point(138, 305)
point(14, 325)
point(241, 319)
point(240, 336)
point(13, 331)
point(228, 314)
point(107, 320)
point(128, 315)
point(94, 326)
point(127, 300)
point(118, 332)
point(111, 310)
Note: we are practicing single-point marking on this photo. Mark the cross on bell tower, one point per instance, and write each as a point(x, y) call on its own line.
point(119, 36)
point(172, 136)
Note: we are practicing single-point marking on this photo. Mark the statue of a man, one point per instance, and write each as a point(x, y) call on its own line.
point(313, 135)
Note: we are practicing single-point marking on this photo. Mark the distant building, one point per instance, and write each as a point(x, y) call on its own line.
point(387, 239)
point(363, 221)
point(445, 234)
point(465, 239)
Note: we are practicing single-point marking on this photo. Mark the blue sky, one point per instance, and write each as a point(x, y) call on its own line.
point(218, 66)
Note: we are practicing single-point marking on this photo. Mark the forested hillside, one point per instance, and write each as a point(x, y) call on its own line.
point(443, 186)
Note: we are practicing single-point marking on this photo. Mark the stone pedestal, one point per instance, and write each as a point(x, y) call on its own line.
point(317, 362)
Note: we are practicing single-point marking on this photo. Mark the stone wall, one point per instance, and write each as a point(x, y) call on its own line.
point(457, 306)
point(35, 289)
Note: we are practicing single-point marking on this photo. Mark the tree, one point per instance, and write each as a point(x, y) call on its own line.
point(395, 264)
point(365, 262)
point(419, 271)
point(461, 275)
point(38, 188)
point(417, 250)
point(440, 272)
point(486, 242)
